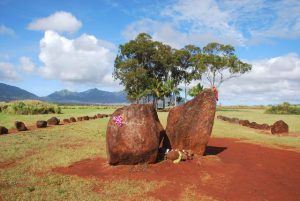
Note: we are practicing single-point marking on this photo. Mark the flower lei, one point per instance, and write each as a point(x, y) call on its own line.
point(118, 120)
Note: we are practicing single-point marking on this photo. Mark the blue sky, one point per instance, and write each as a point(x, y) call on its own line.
point(53, 45)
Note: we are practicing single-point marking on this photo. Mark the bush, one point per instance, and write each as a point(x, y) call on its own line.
point(29, 107)
point(284, 108)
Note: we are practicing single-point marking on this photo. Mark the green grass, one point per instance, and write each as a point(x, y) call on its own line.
point(259, 116)
point(8, 120)
point(36, 153)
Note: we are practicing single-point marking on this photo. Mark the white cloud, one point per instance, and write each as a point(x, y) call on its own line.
point(83, 60)
point(271, 80)
point(235, 22)
point(59, 21)
point(6, 31)
point(8, 71)
point(26, 65)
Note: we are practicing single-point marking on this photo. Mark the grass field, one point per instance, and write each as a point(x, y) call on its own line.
point(30, 156)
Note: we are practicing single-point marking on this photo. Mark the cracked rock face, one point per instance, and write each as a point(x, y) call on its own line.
point(190, 125)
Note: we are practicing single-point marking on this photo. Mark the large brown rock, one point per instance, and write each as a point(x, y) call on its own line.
point(3, 130)
point(53, 121)
point(137, 139)
point(189, 125)
point(41, 124)
point(20, 126)
point(279, 127)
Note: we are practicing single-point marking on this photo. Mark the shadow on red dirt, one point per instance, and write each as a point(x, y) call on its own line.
point(230, 170)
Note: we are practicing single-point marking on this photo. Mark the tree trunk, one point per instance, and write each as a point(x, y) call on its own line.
point(185, 95)
point(164, 102)
point(175, 101)
point(154, 102)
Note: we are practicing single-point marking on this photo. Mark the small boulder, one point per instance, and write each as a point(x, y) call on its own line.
point(189, 125)
point(3, 130)
point(41, 124)
point(244, 123)
point(66, 121)
point(234, 120)
point(264, 127)
point(132, 135)
point(53, 121)
point(172, 155)
point(254, 125)
point(72, 119)
point(20, 126)
point(85, 118)
point(279, 127)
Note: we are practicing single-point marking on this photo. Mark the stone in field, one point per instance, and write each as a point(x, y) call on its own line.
point(279, 127)
point(20, 126)
point(53, 121)
point(264, 126)
point(245, 123)
point(66, 121)
point(85, 118)
point(41, 124)
point(3, 130)
point(189, 125)
point(132, 135)
point(72, 119)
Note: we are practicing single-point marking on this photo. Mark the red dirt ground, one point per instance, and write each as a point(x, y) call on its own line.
point(231, 170)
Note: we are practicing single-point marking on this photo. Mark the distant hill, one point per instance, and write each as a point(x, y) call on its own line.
point(9, 93)
point(91, 96)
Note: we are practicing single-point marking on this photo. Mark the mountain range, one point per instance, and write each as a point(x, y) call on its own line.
point(91, 96)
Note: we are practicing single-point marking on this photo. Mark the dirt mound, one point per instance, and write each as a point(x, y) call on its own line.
point(231, 170)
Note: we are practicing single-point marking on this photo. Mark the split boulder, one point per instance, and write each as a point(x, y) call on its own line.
point(136, 139)
point(190, 125)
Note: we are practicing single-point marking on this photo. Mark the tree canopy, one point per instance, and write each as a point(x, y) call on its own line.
point(153, 70)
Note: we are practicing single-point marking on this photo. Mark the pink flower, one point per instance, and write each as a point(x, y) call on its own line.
point(118, 120)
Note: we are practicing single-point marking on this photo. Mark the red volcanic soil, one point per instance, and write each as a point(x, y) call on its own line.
point(231, 170)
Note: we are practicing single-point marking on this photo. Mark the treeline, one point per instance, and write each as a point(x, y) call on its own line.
point(284, 108)
point(27, 107)
point(150, 70)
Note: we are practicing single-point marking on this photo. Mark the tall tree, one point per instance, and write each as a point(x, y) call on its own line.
point(132, 65)
point(219, 63)
point(185, 60)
